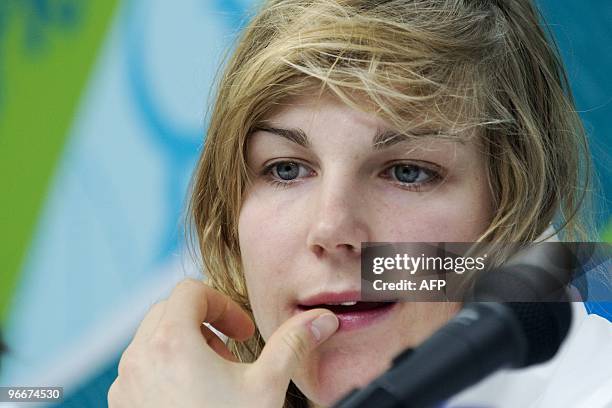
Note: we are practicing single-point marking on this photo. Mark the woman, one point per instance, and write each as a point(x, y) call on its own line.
point(342, 122)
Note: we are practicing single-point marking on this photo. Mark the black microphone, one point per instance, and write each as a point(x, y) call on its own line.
point(482, 338)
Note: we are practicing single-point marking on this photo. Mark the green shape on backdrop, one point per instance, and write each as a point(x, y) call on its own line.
point(607, 234)
point(44, 69)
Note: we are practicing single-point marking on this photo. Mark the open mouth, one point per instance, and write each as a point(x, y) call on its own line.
point(349, 307)
point(355, 314)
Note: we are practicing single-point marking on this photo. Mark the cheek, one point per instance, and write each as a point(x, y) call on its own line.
point(450, 214)
point(266, 242)
point(268, 221)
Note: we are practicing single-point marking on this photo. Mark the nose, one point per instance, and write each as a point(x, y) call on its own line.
point(337, 229)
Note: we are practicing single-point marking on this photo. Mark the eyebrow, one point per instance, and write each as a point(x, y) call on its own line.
point(383, 139)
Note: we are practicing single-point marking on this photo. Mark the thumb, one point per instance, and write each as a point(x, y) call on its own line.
point(293, 341)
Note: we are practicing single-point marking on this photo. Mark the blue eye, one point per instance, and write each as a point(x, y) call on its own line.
point(287, 170)
point(410, 173)
point(412, 176)
point(284, 173)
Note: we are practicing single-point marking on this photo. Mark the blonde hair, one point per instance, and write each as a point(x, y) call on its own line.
point(483, 65)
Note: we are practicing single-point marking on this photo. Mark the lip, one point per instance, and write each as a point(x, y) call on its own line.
point(331, 297)
point(348, 320)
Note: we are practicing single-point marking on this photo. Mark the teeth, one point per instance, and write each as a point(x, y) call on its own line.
point(342, 304)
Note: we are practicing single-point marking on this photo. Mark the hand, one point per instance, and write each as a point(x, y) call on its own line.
point(176, 361)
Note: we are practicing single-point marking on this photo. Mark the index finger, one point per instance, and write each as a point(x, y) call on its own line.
point(193, 302)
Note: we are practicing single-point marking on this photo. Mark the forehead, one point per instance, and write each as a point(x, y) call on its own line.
point(308, 111)
point(326, 116)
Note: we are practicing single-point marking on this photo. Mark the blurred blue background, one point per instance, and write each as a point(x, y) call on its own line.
point(102, 107)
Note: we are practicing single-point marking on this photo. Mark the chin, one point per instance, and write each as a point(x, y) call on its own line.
point(337, 371)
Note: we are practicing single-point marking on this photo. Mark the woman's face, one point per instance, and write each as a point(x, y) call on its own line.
point(320, 188)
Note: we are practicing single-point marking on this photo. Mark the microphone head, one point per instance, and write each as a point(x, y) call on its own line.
point(544, 325)
point(535, 288)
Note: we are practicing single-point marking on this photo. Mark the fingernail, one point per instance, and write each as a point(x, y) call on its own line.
point(324, 326)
